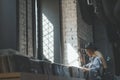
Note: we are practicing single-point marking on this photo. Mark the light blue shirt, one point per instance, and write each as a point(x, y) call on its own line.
point(94, 65)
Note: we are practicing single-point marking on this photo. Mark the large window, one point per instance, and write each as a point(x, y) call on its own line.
point(48, 38)
point(48, 30)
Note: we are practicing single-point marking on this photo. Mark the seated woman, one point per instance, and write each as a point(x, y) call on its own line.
point(94, 66)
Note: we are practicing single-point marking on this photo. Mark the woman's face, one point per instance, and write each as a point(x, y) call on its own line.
point(89, 52)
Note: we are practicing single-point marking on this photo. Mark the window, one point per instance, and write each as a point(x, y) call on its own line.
point(48, 30)
point(48, 38)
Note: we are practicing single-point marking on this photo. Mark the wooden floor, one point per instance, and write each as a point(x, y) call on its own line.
point(30, 76)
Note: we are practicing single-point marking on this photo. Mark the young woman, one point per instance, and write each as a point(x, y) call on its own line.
point(94, 66)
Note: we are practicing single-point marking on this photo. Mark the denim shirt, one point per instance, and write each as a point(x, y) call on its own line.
point(94, 66)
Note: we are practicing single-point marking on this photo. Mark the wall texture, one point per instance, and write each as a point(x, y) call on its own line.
point(25, 27)
point(69, 23)
point(85, 31)
point(74, 29)
point(16, 25)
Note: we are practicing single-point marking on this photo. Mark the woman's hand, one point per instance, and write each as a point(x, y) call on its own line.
point(85, 69)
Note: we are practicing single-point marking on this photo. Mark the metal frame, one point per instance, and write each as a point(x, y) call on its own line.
point(40, 41)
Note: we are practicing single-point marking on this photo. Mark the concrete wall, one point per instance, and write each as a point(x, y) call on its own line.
point(8, 24)
point(50, 8)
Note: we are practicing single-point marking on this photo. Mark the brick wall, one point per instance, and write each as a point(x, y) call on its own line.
point(74, 29)
point(30, 31)
point(69, 16)
point(25, 27)
point(22, 26)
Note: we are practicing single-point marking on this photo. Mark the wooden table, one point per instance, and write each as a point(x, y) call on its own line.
point(22, 76)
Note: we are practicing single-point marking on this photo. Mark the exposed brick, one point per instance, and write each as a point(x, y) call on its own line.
point(25, 7)
point(69, 29)
point(30, 38)
point(74, 28)
point(22, 26)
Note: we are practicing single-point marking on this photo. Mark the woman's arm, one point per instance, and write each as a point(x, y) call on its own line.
point(95, 65)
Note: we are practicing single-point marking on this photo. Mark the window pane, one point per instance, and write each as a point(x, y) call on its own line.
point(48, 38)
